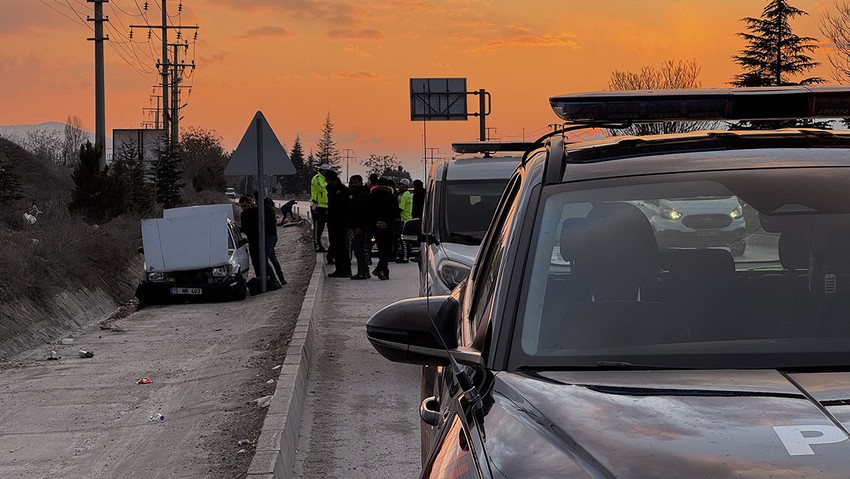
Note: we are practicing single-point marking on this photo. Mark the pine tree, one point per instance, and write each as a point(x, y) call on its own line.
point(296, 184)
point(327, 150)
point(10, 180)
point(772, 56)
point(169, 178)
point(91, 185)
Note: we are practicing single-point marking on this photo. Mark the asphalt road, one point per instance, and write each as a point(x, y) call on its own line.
point(361, 416)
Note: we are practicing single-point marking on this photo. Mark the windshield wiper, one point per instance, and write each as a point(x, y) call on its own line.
point(628, 365)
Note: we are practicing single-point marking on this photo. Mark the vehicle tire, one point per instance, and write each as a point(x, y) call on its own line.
point(241, 290)
point(738, 248)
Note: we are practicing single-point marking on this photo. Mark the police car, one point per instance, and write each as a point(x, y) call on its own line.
point(462, 194)
point(632, 354)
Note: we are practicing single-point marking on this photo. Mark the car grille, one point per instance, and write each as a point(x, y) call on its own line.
point(198, 276)
point(699, 222)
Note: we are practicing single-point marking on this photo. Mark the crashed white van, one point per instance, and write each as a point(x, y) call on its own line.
point(193, 253)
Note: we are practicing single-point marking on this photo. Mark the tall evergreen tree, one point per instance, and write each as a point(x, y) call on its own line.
point(296, 184)
point(169, 178)
point(327, 150)
point(773, 52)
point(91, 185)
point(773, 55)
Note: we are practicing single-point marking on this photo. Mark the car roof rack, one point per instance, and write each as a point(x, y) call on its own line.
point(490, 146)
point(703, 104)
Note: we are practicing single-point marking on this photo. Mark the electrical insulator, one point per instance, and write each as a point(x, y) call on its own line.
point(180, 7)
point(131, 34)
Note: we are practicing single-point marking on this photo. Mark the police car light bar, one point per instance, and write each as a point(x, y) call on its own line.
point(703, 104)
point(490, 146)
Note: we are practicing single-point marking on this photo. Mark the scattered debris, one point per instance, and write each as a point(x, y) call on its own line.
point(270, 381)
point(144, 381)
point(264, 401)
point(245, 442)
point(156, 416)
point(86, 354)
point(66, 341)
point(16, 449)
point(241, 451)
point(277, 367)
point(53, 356)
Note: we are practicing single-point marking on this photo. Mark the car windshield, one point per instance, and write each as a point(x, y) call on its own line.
point(747, 268)
point(469, 207)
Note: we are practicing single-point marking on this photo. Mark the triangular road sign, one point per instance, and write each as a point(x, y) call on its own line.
point(243, 161)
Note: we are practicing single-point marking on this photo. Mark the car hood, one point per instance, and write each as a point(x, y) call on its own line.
point(461, 253)
point(669, 424)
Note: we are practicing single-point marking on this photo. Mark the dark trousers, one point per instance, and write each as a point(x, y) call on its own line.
point(271, 241)
point(340, 249)
point(384, 239)
point(320, 218)
point(360, 243)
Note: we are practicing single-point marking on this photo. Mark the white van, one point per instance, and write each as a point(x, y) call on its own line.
point(461, 197)
point(193, 253)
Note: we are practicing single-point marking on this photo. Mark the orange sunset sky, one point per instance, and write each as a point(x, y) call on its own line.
point(297, 60)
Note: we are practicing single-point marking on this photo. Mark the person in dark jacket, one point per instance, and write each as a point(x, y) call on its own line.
point(383, 210)
point(271, 240)
point(358, 223)
point(340, 245)
point(418, 198)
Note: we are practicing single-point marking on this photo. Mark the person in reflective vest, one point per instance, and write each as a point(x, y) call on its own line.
point(319, 205)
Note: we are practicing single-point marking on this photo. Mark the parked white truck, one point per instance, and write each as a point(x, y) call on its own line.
point(193, 253)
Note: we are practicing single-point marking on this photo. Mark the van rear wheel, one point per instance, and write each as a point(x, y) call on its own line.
point(241, 290)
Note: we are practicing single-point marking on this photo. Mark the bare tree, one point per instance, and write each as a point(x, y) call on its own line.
point(75, 136)
point(43, 144)
point(386, 166)
point(835, 26)
point(670, 75)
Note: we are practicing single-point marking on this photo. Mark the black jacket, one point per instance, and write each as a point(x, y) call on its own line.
point(418, 201)
point(338, 205)
point(383, 206)
point(358, 213)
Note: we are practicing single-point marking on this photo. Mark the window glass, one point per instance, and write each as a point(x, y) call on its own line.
point(690, 267)
point(469, 206)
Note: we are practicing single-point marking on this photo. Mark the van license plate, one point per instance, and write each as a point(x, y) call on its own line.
point(185, 290)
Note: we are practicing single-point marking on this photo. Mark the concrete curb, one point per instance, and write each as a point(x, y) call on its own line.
point(275, 453)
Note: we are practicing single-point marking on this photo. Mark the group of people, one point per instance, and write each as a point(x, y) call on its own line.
point(356, 213)
point(249, 220)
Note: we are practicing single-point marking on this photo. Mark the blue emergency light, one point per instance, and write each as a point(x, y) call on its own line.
point(703, 104)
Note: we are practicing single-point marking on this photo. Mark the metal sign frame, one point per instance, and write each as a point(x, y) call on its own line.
point(438, 99)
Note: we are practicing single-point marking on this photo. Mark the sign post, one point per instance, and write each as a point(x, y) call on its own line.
point(260, 153)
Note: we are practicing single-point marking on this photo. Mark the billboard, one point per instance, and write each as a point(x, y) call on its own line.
point(438, 99)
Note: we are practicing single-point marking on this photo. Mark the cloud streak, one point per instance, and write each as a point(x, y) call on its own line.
point(562, 40)
point(267, 31)
point(364, 34)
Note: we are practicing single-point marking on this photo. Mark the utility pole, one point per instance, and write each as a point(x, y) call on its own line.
point(164, 66)
point(348, 151)
point(176, 78)
point(99, 95)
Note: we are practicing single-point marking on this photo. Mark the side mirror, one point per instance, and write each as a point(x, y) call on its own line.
point(411, 229)
point(242, 241)
point(419, 331)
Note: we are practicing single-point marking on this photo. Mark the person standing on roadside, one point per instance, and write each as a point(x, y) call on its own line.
point(383, 211)
point(405, 207)
point(249, 223)
point(358, 223)
point(319, 205)
point(271, 240)
point(340, 247)
point(418, 198)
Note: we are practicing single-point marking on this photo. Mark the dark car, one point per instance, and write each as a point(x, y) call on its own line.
point(587, 344)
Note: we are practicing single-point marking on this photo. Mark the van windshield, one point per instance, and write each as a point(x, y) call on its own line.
point(468, 208)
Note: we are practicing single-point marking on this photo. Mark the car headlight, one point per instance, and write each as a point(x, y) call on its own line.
point(452, 273)
point(736, 213)
point(156, 276)
point(670, 214)
point(221, 271)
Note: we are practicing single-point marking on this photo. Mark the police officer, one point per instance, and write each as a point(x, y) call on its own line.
point(319, 205)
point(405, 207)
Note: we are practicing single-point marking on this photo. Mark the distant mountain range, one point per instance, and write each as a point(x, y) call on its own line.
point(17, 133)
